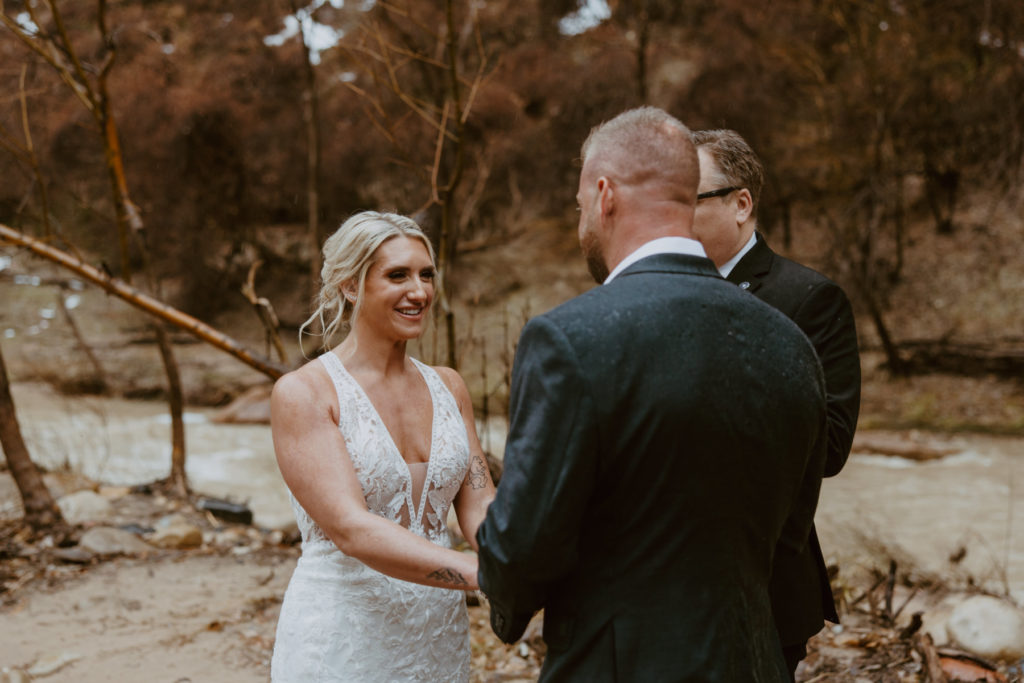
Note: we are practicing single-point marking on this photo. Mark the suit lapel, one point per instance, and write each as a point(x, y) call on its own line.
point(753, 268)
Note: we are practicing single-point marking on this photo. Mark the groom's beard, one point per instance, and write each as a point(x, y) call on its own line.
point(595, 259)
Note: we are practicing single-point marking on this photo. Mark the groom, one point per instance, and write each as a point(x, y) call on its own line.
point(667, 430)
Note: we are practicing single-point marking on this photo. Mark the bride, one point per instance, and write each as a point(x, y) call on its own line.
point(375, 447)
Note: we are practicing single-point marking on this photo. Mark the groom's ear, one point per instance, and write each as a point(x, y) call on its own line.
point(606, 195)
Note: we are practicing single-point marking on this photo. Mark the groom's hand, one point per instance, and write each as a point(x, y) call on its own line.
point(508, 627)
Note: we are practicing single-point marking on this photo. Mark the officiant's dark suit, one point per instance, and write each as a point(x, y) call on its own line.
point(650, 470)
point(821, 309)
point(726, 222)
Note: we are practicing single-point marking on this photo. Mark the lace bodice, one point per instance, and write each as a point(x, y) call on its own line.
point(343, 621)
point(383, 474)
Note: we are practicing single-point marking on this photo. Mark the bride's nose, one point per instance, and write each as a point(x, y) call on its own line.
point(418, 291)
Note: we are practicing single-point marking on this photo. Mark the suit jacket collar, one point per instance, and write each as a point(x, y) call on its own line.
point(671, 263)
point(754, 267)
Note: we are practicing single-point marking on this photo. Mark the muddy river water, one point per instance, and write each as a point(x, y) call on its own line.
point(967, 504)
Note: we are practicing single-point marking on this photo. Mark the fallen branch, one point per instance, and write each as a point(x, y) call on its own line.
point(968, 360)
point(144, 302)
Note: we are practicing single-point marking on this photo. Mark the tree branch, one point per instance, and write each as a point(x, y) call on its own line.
point(144, 302)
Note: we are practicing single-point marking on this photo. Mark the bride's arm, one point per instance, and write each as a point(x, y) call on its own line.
point(316, 466)
point(477, 489)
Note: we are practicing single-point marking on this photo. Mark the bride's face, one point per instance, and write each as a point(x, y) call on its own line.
point(399, 289)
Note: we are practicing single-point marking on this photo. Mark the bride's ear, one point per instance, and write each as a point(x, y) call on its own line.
point(348, 290)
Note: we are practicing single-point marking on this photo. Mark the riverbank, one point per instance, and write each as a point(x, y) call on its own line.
point(940, 510)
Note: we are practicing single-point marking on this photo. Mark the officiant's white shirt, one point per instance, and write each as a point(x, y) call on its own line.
point(731, 263)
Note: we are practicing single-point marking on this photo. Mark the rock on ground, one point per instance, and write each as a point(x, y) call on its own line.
point(85, 506)
point(988, 627)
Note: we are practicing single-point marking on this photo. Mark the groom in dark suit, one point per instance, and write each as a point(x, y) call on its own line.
point(725, 222)
point(667, 434)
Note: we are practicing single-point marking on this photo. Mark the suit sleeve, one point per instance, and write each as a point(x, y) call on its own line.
point(826, 317)
point(529, 536)
point(798, 525)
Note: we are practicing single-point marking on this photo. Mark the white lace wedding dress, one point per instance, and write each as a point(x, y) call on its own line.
point(341, 620)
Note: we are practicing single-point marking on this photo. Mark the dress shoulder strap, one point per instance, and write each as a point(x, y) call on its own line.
point(439, 391)
point(339, 377)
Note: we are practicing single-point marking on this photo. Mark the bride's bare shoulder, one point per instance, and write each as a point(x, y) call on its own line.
point(305, 386)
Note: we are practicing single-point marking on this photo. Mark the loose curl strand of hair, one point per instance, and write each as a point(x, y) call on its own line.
point(347, 257)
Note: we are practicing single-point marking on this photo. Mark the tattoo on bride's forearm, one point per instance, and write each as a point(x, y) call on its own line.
point(478, 473)
point(446, 575)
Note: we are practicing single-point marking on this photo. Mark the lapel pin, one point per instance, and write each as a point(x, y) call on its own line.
point(744, 285)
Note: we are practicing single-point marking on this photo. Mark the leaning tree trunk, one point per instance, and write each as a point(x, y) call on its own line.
point(40, 508)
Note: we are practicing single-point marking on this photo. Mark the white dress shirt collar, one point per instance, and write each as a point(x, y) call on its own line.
point(661, 245)
point(731, 263)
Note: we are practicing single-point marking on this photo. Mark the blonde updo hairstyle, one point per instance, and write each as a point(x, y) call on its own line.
point(348, 255)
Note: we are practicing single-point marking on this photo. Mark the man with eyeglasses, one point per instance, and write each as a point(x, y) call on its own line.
point(725, 222)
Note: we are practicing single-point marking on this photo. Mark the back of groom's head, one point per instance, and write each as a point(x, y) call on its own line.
point(642, 147)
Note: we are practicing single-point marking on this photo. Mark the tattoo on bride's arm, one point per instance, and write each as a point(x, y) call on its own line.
point(446, 575)
point(478, 473)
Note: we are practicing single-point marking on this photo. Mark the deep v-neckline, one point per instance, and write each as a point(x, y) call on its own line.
point(419, 509)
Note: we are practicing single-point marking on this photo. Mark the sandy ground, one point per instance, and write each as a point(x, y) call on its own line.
point(182, 617)
point(178, 617)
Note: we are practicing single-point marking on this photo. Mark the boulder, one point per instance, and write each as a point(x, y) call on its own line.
point(176, 532)
point(988, 627)
point(76, 555)
point(85, 506)
point(14, 675)
point(106, 541)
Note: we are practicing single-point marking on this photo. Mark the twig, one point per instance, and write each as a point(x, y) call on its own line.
point(890, 585)
point(933, 672)
point(869, 591)
point(265, 311)
point(905, 602)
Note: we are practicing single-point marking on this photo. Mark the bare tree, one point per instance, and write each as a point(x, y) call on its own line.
point(40, 508)
point(55, 46)
point(424, 66)
point(311, 119)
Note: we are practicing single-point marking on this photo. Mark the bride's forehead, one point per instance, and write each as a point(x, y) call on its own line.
point(401, 251)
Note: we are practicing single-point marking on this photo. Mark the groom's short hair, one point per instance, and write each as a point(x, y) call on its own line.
point(644, 143)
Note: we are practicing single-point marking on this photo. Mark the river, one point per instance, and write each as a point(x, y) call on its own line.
point(921, 513)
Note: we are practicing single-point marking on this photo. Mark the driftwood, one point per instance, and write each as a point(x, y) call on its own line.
point(969, 360)
point(900, 445)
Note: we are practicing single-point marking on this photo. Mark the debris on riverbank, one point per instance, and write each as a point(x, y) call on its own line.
point(202, 586)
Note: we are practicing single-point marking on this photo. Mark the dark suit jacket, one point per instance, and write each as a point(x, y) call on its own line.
point(649, 475)
point(801, 596)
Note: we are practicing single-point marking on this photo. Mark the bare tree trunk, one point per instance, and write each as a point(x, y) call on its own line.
point(40, 508)
point(178, 480)
point(311, 117)
point(892, 354)
point(643, 32)
point(449, 218)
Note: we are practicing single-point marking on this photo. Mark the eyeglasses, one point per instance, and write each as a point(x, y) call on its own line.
point(717, 193)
